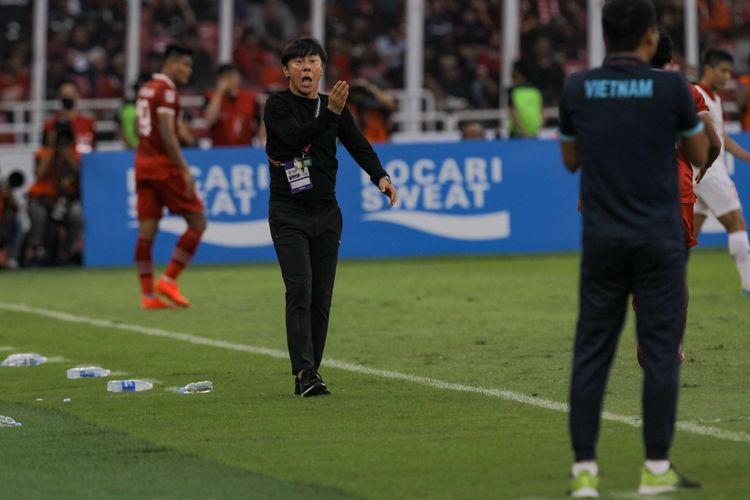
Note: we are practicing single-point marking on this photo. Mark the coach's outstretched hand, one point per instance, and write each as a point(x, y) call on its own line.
point(338, 96)
point(388, 189)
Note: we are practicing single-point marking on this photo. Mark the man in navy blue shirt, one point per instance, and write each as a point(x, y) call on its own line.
point(619, 124)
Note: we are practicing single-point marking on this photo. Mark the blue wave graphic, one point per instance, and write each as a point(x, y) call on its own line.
point(481, 227)
point(226, 234)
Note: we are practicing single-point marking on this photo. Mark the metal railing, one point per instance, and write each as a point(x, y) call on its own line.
point(22, 127)
point(104, 110)
point(430, 119)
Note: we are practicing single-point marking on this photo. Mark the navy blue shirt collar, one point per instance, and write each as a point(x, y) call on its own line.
point(625, 61)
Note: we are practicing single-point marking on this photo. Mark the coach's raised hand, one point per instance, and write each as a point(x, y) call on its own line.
point(338, 96)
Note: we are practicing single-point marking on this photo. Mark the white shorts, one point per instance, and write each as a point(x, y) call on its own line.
point(716, 194)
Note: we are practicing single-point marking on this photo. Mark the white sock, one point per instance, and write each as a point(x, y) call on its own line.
point(739, 249)
point(657, 467)
point(586, 465)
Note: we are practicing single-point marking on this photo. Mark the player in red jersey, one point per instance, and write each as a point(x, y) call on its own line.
point(661, 60)
point(163, 178)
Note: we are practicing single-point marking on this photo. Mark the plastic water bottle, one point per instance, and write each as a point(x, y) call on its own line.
point(8, 422)
point(24, 359)
point(88, 372)
point(197, 387)
point(131, 385)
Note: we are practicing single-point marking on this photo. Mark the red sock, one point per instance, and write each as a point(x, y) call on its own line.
point(145, 265)
point(183, 252)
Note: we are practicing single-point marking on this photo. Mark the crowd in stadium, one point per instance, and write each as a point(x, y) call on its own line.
point(366, 46)
point(86, 42)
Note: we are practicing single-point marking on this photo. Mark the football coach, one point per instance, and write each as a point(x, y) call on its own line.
point(305, 220)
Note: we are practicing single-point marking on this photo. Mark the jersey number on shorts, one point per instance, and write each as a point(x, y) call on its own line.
point(144, 117)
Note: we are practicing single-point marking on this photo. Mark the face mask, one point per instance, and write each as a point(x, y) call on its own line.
point(68, 103)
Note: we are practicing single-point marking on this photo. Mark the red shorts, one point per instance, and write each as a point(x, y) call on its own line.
point(687, 223)
point(154, 195)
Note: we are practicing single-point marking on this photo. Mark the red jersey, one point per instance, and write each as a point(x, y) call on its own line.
point(685, 169)
point(83, 131)
point(238, 119)
point(159, 95)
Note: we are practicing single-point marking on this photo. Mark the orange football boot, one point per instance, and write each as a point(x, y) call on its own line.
point(154, 303)
point(171, 290)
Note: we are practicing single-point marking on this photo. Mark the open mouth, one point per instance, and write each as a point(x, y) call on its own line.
point(306, 79)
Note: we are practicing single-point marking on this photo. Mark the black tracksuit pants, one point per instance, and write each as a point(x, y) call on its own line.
point(307, 245)
point(654, 271)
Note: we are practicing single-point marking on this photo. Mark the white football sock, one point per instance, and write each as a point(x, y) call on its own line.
point(739, 249)
point(586, 465)
point(657, 467)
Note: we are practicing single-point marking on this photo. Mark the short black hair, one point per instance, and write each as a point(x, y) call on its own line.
point(663, 54)
point(225, 68)
point(712, 57)
point(174, 50)
point(624, 23)
point(303, 47)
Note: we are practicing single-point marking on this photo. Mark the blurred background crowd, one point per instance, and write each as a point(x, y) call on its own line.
point(366, 44)
point(86, 42)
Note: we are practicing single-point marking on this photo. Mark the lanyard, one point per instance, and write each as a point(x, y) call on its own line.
point(306, 149)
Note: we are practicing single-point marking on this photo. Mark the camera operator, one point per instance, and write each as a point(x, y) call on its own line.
point(54, 199)
point(12, 224)
point(371, 108)
point(81, 124)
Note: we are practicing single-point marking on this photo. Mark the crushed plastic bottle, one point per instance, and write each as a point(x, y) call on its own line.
point(132, 385)
point(24, 359)
point(8, 422)
point(198, 387)
point(88, 372)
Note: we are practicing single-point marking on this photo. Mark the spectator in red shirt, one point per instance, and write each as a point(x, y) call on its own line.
point(250, 56)
point(232, 114)
point(15, 81)
point(83, 125)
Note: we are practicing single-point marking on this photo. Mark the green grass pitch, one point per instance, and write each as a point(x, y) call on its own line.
point(496, 323)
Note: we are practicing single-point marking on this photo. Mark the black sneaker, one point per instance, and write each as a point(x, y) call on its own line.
point(311, 384)
point(297, 390)
point(326, 392)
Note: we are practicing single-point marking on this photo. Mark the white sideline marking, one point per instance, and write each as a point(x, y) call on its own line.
point(4, 348)
point(691, 427)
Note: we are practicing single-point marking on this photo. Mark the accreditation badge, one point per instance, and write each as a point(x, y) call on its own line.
point(298, 174)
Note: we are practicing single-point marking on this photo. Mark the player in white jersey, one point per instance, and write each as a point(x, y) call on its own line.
point(717, 193)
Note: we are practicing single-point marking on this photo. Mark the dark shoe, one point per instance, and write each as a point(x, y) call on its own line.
point(311, 384)
point(298, 391)
point(326, 392)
